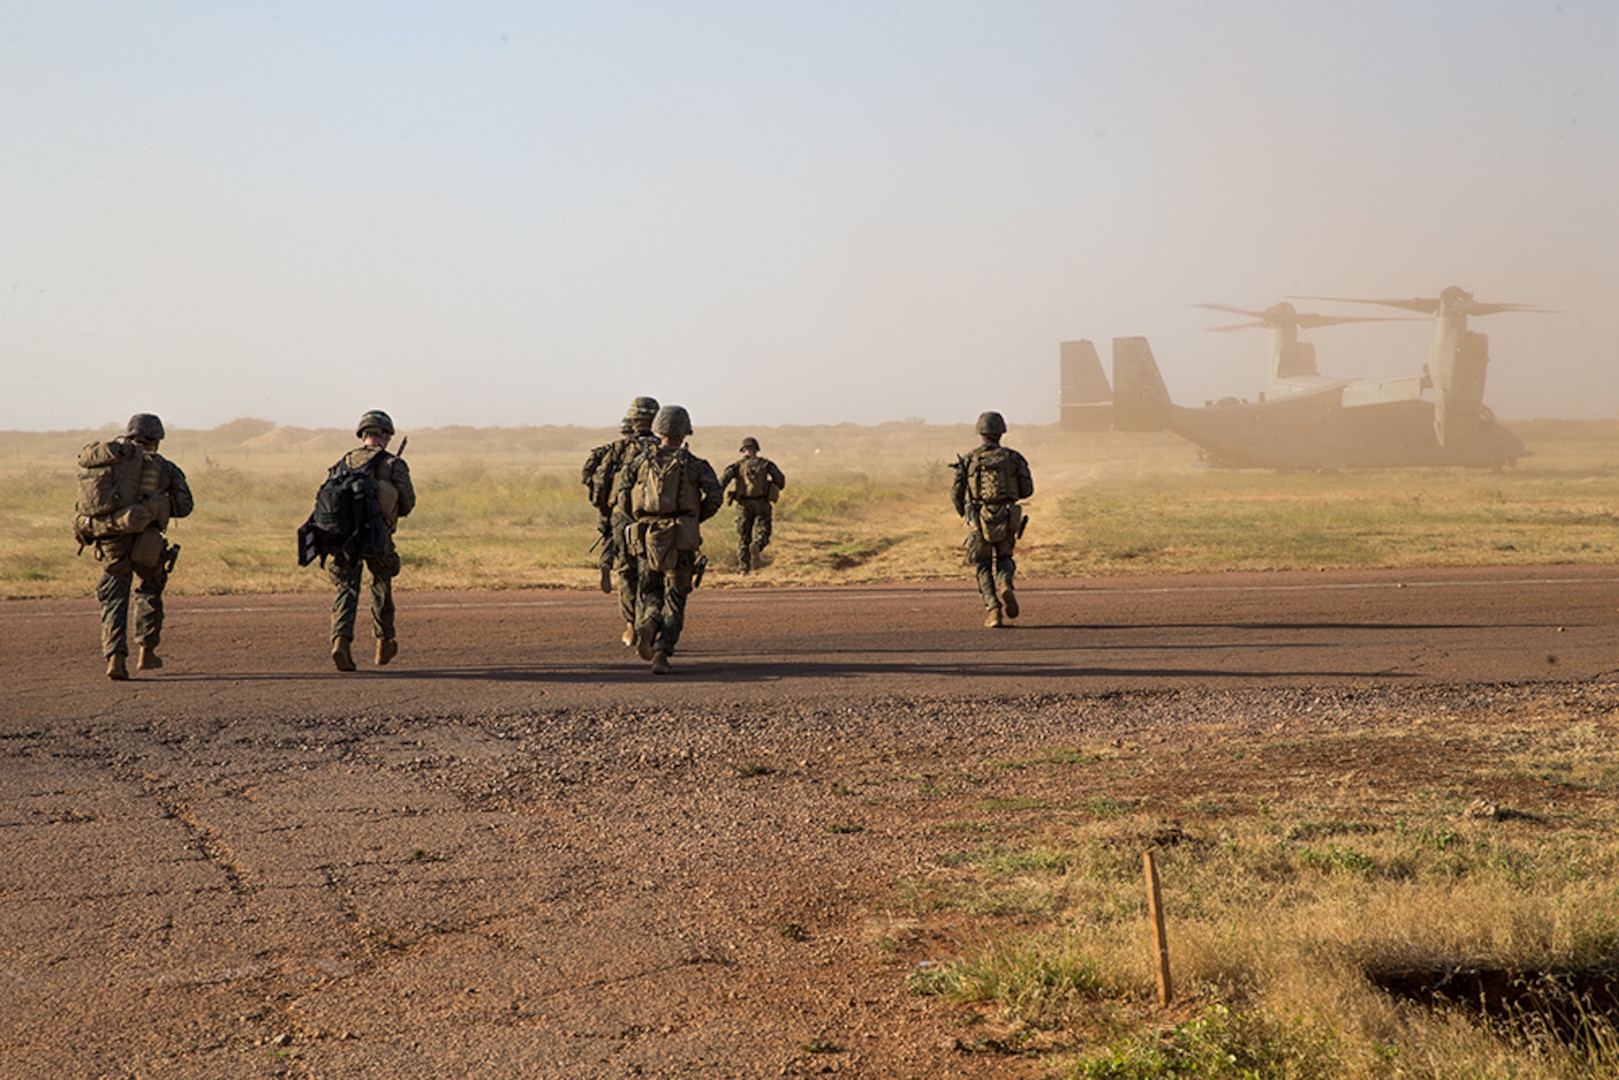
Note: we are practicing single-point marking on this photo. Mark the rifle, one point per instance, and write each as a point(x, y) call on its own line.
point(697, 571)
point(171, 555)
point(402, 443)
point(969, 509)
point(1021, 525)
point(604, 534)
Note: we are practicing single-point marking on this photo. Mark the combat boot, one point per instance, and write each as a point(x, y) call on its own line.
point(629, 635)
point(148, 659)
point(607, 580)
point(387, 649)
point(341, 656)
point(992, 621)
point(1009, 602)
point(754, 553)
point(660, 663)
point(116, 668)
point(645, 634)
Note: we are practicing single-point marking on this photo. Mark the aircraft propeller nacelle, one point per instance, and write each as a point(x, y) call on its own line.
point(1456, 360)
point(1458, 372)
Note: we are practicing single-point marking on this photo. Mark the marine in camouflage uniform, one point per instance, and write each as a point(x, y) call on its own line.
point(660, 611)
point(599, 487)
point(146, 555)
point(375, 429)
point(752, 482)
point(608, 472)
point(989, 482)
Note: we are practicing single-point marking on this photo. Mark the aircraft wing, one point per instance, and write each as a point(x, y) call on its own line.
point(1382, 391)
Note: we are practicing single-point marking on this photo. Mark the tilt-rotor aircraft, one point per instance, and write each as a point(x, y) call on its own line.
point(1307, 421)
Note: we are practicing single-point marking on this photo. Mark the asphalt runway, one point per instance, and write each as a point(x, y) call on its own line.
point(503, 652)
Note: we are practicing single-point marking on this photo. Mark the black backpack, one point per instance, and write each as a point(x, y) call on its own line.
point(347, 519)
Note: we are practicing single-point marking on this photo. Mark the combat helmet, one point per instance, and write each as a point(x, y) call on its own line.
point(750, 443)
point(375, 419)
point(643, 408)
point(672, 420)
point(144, 425)
point(991, 423)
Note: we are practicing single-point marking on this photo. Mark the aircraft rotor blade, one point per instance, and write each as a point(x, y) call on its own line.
point(1476, 308)
point(1311, 322)
point(1427, 306)
point(1417, 304)
point(1233, 310)
point(1283, 315)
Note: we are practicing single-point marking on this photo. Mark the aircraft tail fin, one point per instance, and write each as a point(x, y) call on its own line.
point(1140, 399)
point(1087, 400)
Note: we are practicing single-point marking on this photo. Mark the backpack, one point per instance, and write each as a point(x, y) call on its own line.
point(662, 490)
point(109, 502)
point(347, 519)
point(994, 477)
point(597, 476)
point(752, 478)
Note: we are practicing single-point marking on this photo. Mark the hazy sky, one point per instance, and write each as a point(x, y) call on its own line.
point(527, 213)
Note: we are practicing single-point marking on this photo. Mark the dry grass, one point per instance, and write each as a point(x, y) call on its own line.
point(503, 508)
point(1293, 894)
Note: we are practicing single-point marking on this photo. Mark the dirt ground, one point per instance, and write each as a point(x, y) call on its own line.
point(516, 852)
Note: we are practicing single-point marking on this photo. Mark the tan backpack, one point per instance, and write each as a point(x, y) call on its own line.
point(752, 478)
point(994, 477)
point(665, 487)
point(109, 500)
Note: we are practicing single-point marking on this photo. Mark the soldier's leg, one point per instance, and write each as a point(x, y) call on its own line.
point(609, 554)
point(627, 568)
point(345, 576)
point(149, 606)
point(984, 568)
point(1005, 571)
point(649, 598)
point(758, 531)
point(766, 513)
point(113, 592)
point(676, 588)
point(384, 568)
point(982, 557)
point(744, 534)
point(629, 591)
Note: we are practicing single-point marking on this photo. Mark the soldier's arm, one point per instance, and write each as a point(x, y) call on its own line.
point(401, 480)
point(713, 493)
point(728, 477)
point(180, 501)
point(1025, 479)
point(622, 486)
point(776, 476)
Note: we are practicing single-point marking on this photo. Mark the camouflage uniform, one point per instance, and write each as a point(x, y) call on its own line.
point(610, 470)
point(992, 560)
point(660, 610)
point(753, 507)
point(599, 485)
point(159, 476)
point(346, 568)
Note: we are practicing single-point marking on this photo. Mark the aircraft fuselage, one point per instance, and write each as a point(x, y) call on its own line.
point(1317, 431)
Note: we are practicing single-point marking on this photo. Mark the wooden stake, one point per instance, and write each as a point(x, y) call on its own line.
point(1160, 944)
